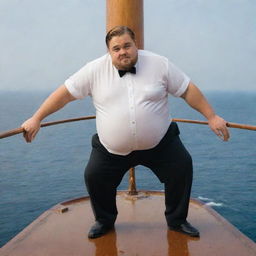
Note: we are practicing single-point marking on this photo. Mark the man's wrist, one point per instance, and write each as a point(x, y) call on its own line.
point(37, 118)
point(210, 116)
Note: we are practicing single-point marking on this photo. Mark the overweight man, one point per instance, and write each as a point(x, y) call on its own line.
point(129, 89)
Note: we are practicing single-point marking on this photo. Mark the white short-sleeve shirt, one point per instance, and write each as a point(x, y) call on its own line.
point(131, 111)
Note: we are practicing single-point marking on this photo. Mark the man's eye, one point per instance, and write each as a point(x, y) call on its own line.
point(116, 49)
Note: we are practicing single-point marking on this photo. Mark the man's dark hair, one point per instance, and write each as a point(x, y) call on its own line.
point(119, 31)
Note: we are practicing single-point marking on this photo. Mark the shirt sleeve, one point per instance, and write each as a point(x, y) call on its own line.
point(79, 84)
point(177, 80)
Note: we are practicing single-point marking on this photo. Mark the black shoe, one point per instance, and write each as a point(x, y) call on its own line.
point(99, 229)
point(186, 228)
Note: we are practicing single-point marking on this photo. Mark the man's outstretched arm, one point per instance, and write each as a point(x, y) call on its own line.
point(57, 100)
point(194, 97)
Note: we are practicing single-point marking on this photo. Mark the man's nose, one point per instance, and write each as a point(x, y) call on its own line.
point(122, 51)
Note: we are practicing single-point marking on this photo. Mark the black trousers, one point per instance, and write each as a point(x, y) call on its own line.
point(170, 162)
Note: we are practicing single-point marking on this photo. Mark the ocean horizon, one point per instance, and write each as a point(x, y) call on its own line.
point(36, 176)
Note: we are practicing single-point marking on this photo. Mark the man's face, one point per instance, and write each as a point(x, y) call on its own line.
point(123, 51)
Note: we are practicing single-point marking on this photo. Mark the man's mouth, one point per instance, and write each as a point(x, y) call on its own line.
point(124, 57)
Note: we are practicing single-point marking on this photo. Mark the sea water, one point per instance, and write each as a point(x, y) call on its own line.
point(36, 176)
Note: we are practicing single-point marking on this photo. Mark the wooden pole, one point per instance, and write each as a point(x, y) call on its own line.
point(21, 130)
point(126, 13)
point(228, 124)
point(132, 190)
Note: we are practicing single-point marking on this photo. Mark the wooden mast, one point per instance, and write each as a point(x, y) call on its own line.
point(127, 13)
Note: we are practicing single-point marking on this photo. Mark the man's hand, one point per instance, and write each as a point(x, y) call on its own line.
point(196, 100)
point(57, 100)
point(219, 127)
point(31, 128)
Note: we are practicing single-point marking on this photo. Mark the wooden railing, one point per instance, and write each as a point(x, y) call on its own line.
point(21, 130)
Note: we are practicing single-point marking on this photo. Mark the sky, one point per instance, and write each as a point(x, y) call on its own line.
point(43, 42)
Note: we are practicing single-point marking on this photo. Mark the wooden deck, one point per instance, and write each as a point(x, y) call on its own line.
point(140, 230)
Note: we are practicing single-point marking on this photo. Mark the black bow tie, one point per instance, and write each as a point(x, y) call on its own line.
point(131, 70)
